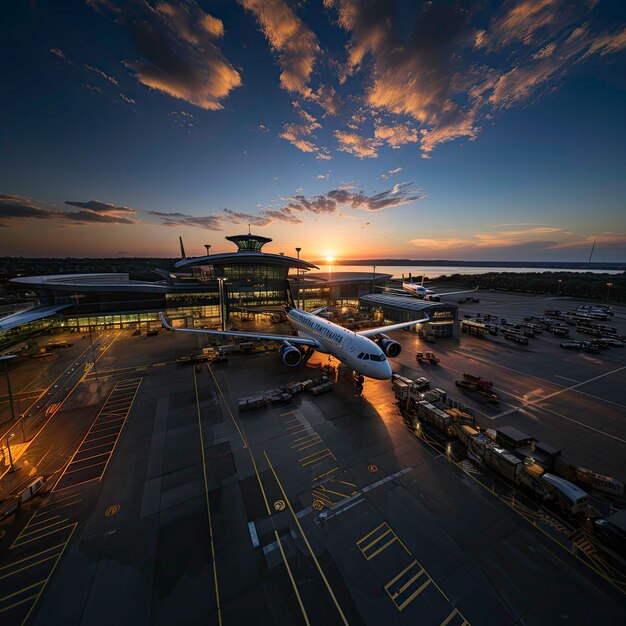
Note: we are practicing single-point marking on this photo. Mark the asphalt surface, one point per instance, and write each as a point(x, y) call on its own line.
point(165, 505)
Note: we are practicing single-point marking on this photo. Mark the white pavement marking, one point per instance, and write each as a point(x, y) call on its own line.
point(597, 430)
point(527, 403)
point(572, 380)
point(347, 501)
point(549, 382)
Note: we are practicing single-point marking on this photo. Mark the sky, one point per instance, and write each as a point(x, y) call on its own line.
point(350, 128)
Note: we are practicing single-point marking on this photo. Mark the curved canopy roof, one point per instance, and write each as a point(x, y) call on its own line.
point(247, 257)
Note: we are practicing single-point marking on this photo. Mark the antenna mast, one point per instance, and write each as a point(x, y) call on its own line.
point(592, 249)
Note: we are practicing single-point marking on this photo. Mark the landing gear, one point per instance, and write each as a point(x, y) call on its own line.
point(358, 383)
point(308, 353)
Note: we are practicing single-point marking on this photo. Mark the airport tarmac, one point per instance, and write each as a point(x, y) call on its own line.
point(170, 506)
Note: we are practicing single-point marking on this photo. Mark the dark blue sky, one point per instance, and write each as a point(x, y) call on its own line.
point(462, 130)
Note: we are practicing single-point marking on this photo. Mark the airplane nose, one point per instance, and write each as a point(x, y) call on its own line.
point(382, 371)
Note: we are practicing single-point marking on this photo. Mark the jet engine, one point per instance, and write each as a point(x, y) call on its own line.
point(390, 347)
point(432, 298)
point(290, 355)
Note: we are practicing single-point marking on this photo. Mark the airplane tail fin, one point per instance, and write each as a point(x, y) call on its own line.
point(423, 276)
point(410, 278)
point(290, 300)
point(182, 249)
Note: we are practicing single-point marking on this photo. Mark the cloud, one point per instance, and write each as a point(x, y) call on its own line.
point(450, 65)
point(282, 215)
point(100, 207)
point(390, 173)
point(295, 44)
point(239, 217)
point(85, 217)
point(25, 207)
point(210, 222)
point(57, 52)
point(323, 176)
point(301, 134)
point(16, 207)
point(531, 239)
point(179, 56)
point(396, 135)
point(101, 74)
point(524, 21)
point(328, 98)
point(362, 147)
point(342, 197)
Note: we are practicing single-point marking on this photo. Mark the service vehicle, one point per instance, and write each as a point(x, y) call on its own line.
point(568, 496)
point(612, 531)
point(470, 382)
point(516, 337)
point(427, 356)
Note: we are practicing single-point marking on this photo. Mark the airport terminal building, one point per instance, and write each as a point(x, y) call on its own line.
point(203, 291)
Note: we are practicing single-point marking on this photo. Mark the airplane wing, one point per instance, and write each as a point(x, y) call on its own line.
point(318, 311)
point(369, 332)
point(400, 292)
point(454, 293)
point(233, 333)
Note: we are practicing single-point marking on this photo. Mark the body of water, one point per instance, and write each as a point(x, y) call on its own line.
point(446, 270)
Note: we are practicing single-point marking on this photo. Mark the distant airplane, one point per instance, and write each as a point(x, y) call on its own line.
point(419, 291)
point(365, 356)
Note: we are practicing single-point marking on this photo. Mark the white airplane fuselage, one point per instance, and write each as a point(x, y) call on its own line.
point(417, 290)
point(359, 353)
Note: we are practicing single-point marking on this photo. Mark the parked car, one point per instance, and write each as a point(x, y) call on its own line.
point(572, 345)
point(611, 532)
point(614, 343)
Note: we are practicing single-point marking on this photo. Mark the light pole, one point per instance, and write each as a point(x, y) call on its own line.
point(6, 360)
point(330, 279)
point(608, 290)
point(558, 293)
point(11, 466)
point(298, 277)
point(220, 282)
point(373, 279)
point(93, 356)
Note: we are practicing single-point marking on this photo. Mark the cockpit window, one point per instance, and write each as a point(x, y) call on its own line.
point(360, 356)
point(377, 357)
point(366, 357)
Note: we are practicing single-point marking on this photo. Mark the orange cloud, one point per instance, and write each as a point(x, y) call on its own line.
point(362, 147)
point(294, 42)
point(396, 135)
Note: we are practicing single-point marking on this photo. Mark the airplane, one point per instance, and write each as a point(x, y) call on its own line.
point(365, 356)
point(419, 291)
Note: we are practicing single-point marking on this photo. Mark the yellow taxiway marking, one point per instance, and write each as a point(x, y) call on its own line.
point(17, 593)
point(335, 469)
point(208, 505)
point(291, 578)
point(28, 558)
point(316, 457)
point(447, 620)
point(25, 567)
point(19, 542)
point(414, 595)
point(50, 574)
point(306, 541)
point(232, 417)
